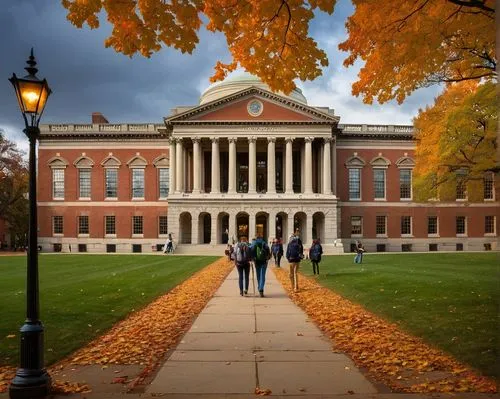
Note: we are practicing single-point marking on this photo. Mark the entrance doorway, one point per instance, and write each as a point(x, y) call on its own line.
point(242, 225)
point(261, 225)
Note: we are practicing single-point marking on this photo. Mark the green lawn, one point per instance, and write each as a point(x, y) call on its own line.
point(84, 295)
point(450, 300)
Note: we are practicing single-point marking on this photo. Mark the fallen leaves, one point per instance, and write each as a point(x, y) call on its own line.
point(144, 336)
point(65, 387)
point(263, 391)
point(401, 361)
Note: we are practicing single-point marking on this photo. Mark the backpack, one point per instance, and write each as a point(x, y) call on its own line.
point(294, 251)
point(315, 252)
point(261, 254)
point(241, 253)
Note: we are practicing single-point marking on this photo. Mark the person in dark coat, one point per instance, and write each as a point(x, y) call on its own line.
point(315, 253)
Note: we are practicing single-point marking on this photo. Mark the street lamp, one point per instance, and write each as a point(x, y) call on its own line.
point(31, 380)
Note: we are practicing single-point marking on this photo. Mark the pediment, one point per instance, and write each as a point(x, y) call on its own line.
point(252, 105)
point(355, 162)
point(161, 161)
point(405, 162)
point(83, 162)
point(57, 162)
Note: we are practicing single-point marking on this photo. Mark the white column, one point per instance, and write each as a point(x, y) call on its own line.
point(289, 166)
point(178, 166)
point(195, 229)
point(272, 226)
point(252, 166)
point(231, 188)
point(232, 228)
point(213, 229)
point(333, 152)
point(308, 166)
point(307, 241)
point(215, 167)
point(251, 227)
point(271, 165)
point(290, 227)
point(172, 172)
point(196, 166)
point(327, 167)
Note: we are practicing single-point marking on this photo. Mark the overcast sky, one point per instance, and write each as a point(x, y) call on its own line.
point(86, 77)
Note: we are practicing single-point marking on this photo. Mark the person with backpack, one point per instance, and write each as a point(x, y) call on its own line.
point(359, 252)
point(294, 254)
point(277, 250)
point(315, 253)
point(260, 255)
point(242, 262)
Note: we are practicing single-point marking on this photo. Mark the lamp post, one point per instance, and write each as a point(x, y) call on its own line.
point(31, 380)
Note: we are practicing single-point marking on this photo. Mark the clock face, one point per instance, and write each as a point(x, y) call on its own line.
point(255, 107)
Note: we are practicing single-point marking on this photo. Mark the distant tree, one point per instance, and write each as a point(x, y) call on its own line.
point(13, 189)
point(457, 140)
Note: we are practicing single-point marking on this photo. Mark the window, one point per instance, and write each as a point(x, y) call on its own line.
point(461, 227)
point(57, 247)
point(82, 247)
point(137, 225)
point(405, 225)
point(138, 183)
point(459, 247)
point(405, 184)
point(163, 181)
point(489, 224)
point(110, 226)
point(84, 178)
point(487, 246)
point(58, 183)
point(57, 225)
point(354, 184)
point(381, 225)
point(163, 225)
point(406, 248)
point(461, 189)
point(111, 183)
point(488, 187)
point(433, 247)
point(136, 248)
point(379, 183)
point(432, 225)
point(110, 247)
point(380, 247)
point(83, 225)
point(356, 225)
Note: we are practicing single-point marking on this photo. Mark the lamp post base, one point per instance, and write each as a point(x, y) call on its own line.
point(30, 384)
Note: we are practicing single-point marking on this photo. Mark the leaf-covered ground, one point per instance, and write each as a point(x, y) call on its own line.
point(146, 335)
point(397, 359)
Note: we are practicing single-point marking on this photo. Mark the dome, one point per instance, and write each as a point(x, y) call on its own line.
point(236, 83)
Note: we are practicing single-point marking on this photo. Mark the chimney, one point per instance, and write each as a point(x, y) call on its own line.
point(97, 117)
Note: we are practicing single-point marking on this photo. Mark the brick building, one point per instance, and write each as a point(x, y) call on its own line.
point(245, 161)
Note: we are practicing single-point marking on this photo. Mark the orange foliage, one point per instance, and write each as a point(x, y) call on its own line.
point(399, 360)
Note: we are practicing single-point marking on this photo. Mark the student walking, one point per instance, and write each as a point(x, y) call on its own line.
point(242, 262)
point(294, 254)
point(260, 255)
point(277, 250)
point(359, 252)
point(315, 253)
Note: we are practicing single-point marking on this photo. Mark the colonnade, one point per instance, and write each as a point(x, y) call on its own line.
point(177, 162)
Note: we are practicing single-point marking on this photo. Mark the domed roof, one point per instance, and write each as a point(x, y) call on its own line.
point(239, 82)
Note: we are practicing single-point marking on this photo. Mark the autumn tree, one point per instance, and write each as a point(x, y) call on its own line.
point(456, 140)
point(13, 189)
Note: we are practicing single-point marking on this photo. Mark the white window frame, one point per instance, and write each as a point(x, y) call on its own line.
point(132, 184)
point(80, 197)
point(54, 234)
point(464, 234)
point(164, 235)
point(436, 234)
point(492, 179)
point(106, 234)
point(494, 233)
point(411, 226)
point(361, 226)
point(384, 235)
point(54, 172)
point(411, 185)
point(88, 226)
point(106, 184)
point(167, 171)
point(138, 235)
point(384, 198)
point(349, 183)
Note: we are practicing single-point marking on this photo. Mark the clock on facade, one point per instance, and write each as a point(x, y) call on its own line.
point(255, 107)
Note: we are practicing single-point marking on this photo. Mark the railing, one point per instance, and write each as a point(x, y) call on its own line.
point(402, 129)
point(102, 127)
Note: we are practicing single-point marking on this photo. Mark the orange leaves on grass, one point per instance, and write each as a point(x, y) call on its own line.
point(7, 373)
point(403, 362)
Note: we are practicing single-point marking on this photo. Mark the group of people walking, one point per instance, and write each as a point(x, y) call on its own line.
point(259, 252)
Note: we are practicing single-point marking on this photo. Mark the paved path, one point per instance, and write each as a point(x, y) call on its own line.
point(239, 343)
